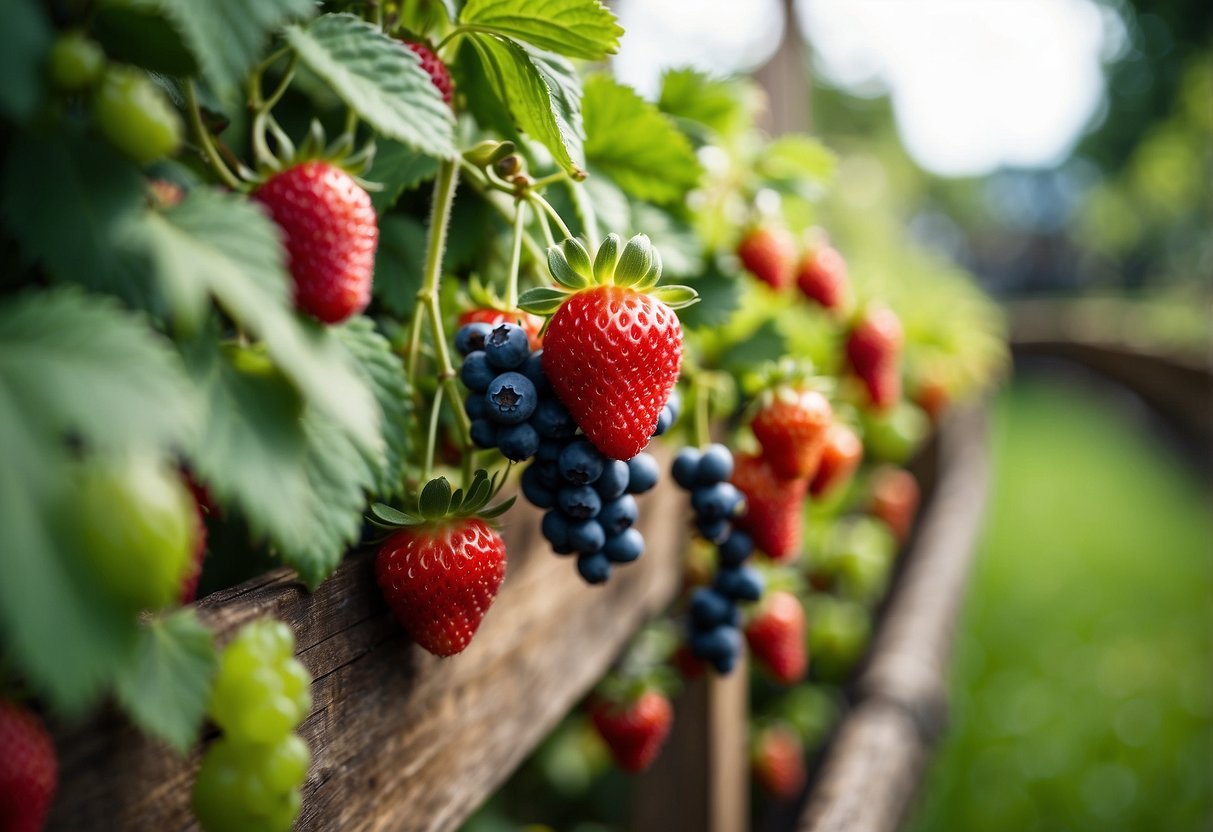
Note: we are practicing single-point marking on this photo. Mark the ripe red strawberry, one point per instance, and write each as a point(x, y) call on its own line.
point(839, 458)
point(822, 277)
point(768, 253)
point(791, 426)
point(531, 324)
point(778, 762)
point(440, 578)
point(330, 232)
point(874, 352)
point(29, 770)
point(774, 514)
point(776, 636)
point(933, 397)
point(189, 584)
point(689, 666)
point(634, 731)
point(435, 68)
point(894, 500)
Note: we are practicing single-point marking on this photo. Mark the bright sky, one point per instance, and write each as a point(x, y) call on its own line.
point(975, 84)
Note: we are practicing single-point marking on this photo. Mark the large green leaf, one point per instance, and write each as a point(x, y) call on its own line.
point(399, 262)
point(542, 92)
point(690, 96)
point(398, 168)
point(228, 36)
point(167, 684)
point(379, 78)
point(577, 28)
point(794, 157)
point(633, 143)
point(24, 38)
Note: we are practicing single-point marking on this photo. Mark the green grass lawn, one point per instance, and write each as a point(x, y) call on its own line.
point(1083, 681)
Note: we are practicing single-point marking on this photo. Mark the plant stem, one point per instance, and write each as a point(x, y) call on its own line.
point(511, 288)
point(431, 438)
point(547, 228)
point(478, 181)
point(204, 139)
point(589, 216)
point(547, 207)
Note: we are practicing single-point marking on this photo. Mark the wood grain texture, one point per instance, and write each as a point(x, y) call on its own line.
point(400, 740)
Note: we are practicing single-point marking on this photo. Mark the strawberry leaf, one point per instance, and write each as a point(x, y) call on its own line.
point(24, 39)
point(577, 28)
point(541, 300)
point(398, 168)
point(435, 499)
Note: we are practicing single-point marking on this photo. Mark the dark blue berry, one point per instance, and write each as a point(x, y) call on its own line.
point(579, 501)
point(476, 372)
point(724, 663)
point(470, 337)
point(714, 501)
point(563, 549)
point(586, 535)
point(716, 465)
point(741, 583)
point(535, 491)
point(713, 529)
point(532, 368)
point(507, 346)
point(549, 451)
point(618, 514)
point(517, 442)
point(547, 473)
point(484, 433)
point(581, 463)
point(614, 479)
point(476, 407)
point(685, 468)
point(735, 548)
point(664, 420)
point(594, 567)
point(709, 608)
point(719, 643)
point(511, 398)
point(555, 528)
point(642, 473)
point(624, 547)
point(553, 420)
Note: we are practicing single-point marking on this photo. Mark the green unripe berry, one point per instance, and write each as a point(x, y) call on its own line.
point(135, 116)
point(75, 62)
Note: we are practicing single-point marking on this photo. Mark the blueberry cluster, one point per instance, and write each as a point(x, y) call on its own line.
point(715, 620)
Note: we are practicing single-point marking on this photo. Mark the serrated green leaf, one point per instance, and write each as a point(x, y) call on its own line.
point(398, 168)
point(541, 300)
point(577, 28)
point(797, 157)
point(379, 78)
point(633, 143)
point(635, 262)
point(766, 343)
point(228, 36)
point(399, 262)
point(435, 499)
point(607, 257)
point(166, 686)
point(563, 272)
point(542, 92)
point(691, 96)
point(676, 297)
point(719, 298)
point(24, 39)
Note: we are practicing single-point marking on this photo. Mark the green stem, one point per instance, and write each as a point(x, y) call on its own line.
point(551, 212)
point(477, 180)
point(204, 139)
point(550, 179)
point(547, 228)
point(511, 289)
point(589, 216)
point(431, 439)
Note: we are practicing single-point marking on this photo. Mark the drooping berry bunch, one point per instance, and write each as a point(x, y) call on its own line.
point(510, 402)
point(250, 777)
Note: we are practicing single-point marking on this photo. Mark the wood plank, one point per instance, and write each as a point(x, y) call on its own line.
point(401, 740)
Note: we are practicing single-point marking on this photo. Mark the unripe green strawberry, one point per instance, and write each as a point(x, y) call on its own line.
point(75, 62)
point(135, 115)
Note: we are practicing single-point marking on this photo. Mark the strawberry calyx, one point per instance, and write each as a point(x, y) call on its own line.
point(785, 380)
point(437, 503)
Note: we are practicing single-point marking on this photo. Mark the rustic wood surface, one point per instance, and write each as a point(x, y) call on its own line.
point(401, 740)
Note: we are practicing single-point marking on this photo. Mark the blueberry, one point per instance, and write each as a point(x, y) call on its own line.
point(713, 529)
point(553, 420)
point(741, 583)
point(507, 346)
point(563, 549)
point(476, 372)
point(535, 491)
point(586, 535)
point(517, 442)
point(484, 433)
point(614, 479)
point(581, 463)
point(594, 568)
point(736, 548)
point(709, 608)
point(624, 547)
point(664, 419)
point(511, 398)
point(642, 473)
point(685, 467)
point(555, 528)
point(714, 501)
point(532, 368)
point(470, 337)
point(549, 450)
point(618, 514)
point(579, 501)
point(716, 465)
point(476, 407)
point(548, 474)
point(719, 645)
point(674, 403)
point(725, 662)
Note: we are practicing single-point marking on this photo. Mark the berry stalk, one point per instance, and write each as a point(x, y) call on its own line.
point(204, 140)
point(511, 289)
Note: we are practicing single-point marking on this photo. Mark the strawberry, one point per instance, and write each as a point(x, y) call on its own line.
point(613, 348)
point(768, 253)
point(531, 324)
point(189, 584)
point(29, 770)
point(435, 68)
point(840, 456)
point(776, 635)
point(873, 351)
point(822, 277)
point(774, 514)
point(441, 569)
point(688, 665)
point(894, 500)
point(330, 232)
point(933, 396)
point(778, 762)
point(791, 425)
point(634, 731)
